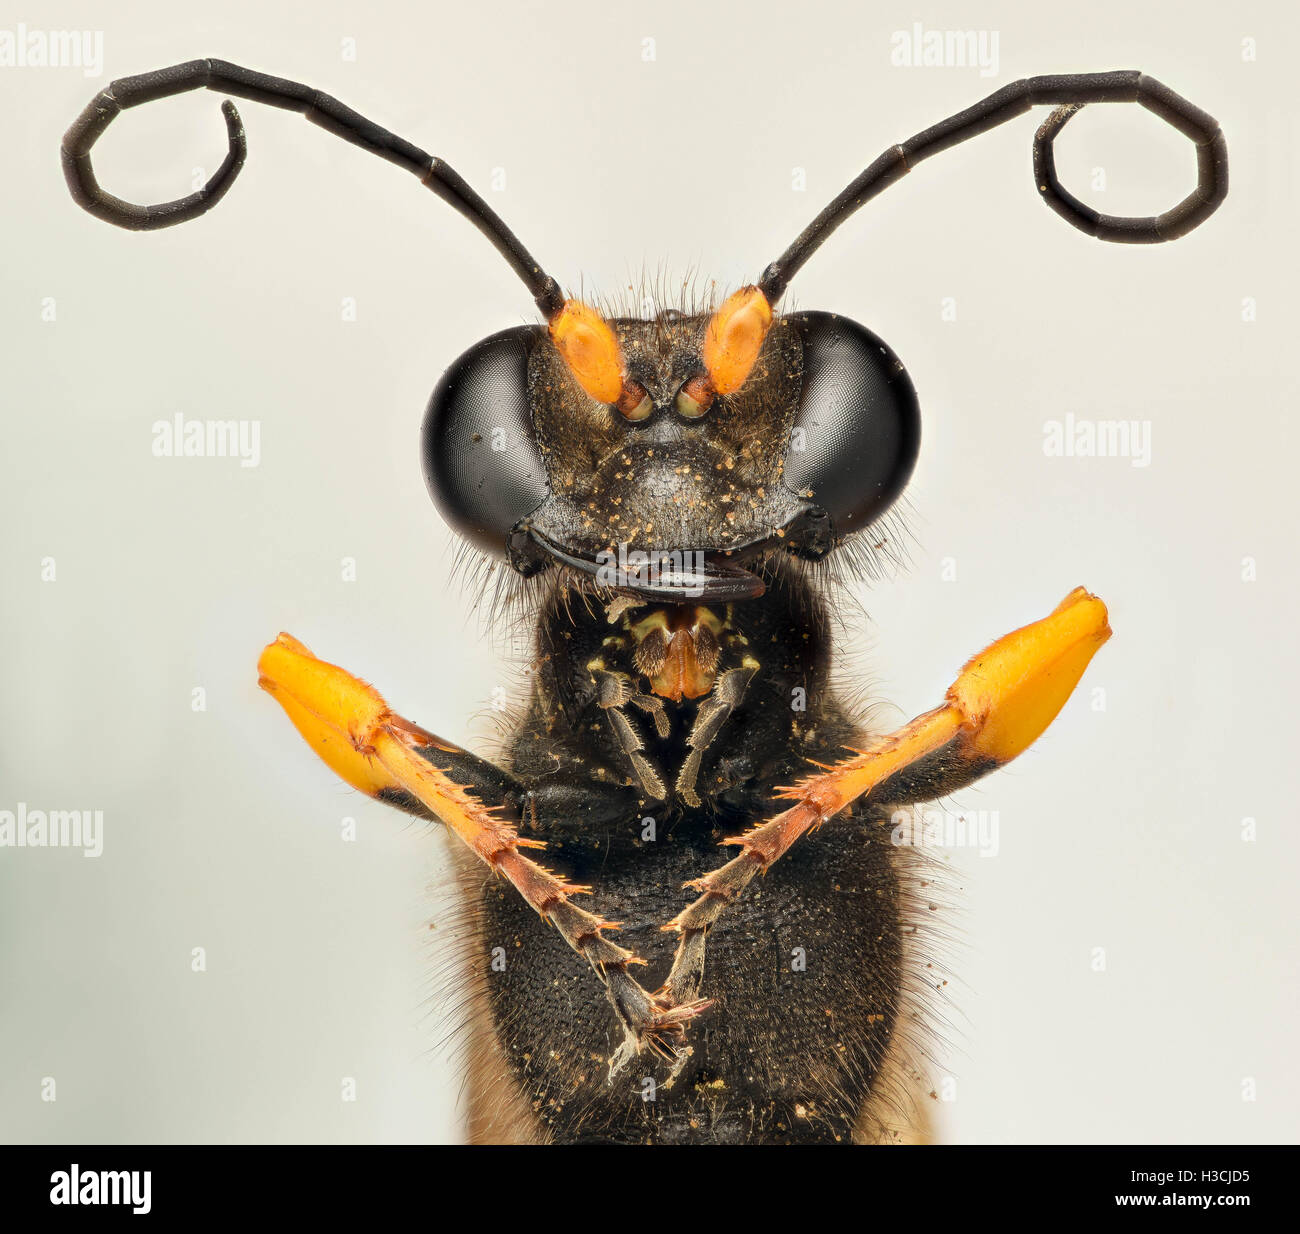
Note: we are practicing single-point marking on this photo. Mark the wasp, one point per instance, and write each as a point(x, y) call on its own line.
point(675, 498)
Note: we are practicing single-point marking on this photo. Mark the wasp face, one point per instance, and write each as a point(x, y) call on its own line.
point(666, 494)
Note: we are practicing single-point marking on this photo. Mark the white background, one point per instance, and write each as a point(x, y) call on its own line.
point(1121, 829)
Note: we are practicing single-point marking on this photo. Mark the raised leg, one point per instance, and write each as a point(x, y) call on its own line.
point(999, 705)
point(354, 732)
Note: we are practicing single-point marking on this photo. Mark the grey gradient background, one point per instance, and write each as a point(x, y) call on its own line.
point(1121, 829)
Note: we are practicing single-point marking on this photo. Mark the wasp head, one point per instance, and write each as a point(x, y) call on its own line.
point(671, 457)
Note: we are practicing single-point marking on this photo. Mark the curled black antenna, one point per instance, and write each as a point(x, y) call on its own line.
point(1073, 91)
point(320, 109)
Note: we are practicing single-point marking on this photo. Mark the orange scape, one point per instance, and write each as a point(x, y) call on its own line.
point(590, 349)
point(1000, 704)
point(734, 337)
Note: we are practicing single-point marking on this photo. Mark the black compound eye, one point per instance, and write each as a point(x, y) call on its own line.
point(480, 455)
point(858, 429)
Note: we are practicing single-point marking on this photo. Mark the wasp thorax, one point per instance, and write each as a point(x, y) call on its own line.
point(677, 649)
